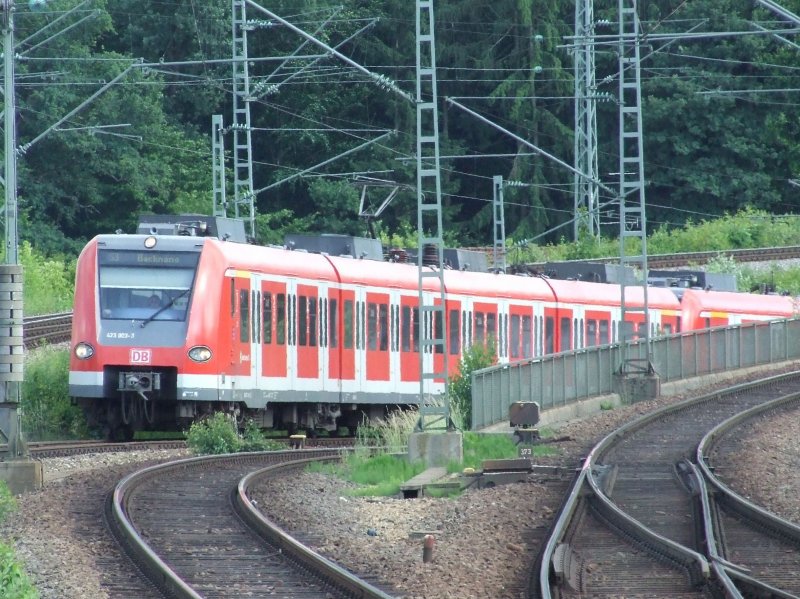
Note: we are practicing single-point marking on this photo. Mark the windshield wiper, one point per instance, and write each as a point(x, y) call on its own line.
point(166, 306)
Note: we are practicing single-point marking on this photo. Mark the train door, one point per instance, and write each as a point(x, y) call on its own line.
point(484, 325)
point(255, 341)
point(360, 338)
point(557, 330)
point(409, 341)
point(394, 338)
point(502, 330)
point(424, 329)
point(520, 333)
point(634, 326)
point(307, 339)
point(597, 327)
point(324, 337)
point(342, 339)
point(377, 351)
point(274, 363)
point(240, 359)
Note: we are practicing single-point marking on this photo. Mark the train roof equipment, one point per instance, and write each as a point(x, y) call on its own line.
point(193, 225)
point(592, 272)
point(336, 245)
point(692, 279)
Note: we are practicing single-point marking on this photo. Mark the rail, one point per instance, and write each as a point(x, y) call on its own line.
point(47, 329)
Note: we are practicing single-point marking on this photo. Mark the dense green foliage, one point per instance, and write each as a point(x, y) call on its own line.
point(218, 433)
point(47, 412)
point(720, 123)
point(48, 282)
point(14, 583)
point(460, 385)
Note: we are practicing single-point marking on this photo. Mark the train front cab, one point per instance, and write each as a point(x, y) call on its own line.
point(132, 304)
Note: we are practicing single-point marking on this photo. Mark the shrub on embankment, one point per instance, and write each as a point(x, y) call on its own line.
point(14, 582)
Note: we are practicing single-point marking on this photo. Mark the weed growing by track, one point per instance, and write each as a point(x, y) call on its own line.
point(47, 412)
point(14, 582)
point(219, 434)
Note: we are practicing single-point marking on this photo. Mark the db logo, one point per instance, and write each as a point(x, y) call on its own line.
point(140, 356)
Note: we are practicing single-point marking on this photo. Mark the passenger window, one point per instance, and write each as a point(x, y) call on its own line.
point(480, 328)
point(405, 329)
point(455, 348)
point(491, 330)
point(438, 331)
point(267, 318)
point(591, 333)
point(566, 334)
point(604, 332)
point(527, 337)
point(312, 321)
point(383, 325)
point(348, 324)
point(333, 324)
point(244, 313)
point(280, 319)
point(514, 346)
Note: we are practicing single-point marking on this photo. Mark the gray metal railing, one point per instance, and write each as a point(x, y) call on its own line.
point(568, 377)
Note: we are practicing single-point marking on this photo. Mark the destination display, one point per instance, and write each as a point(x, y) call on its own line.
point(138, 258)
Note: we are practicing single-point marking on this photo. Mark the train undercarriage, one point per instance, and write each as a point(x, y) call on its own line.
point(120, 417)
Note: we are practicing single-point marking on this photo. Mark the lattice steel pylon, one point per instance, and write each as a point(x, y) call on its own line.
point(243, 197)
point(218, 165)
point(586, 190)
point(430, 328)
point(499, 225)
point(633, 224)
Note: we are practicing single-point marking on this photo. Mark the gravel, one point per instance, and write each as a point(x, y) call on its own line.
point(484, 539)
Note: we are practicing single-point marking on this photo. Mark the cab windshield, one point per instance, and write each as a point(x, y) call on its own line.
point(158, 290)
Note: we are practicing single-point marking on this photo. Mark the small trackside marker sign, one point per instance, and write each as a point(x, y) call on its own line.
point(140, 356)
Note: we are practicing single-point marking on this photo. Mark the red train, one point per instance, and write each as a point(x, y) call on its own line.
point(168, 327)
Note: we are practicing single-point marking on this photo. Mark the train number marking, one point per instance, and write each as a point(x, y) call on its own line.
point(140, 356)
point(113, 335)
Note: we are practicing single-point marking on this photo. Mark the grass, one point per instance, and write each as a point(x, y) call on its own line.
point(14, 582)
point(381, 474)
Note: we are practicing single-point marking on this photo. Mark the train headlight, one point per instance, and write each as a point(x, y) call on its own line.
point(83, 351)
point(200, 353)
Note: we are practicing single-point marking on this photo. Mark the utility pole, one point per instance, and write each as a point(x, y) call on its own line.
point(632, 221)
point(586, 190)
point(432, 324)
point(243, 197)
point(498, 225)
point(17, 470)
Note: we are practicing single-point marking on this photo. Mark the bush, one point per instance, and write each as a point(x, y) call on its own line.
point(47, 412)
point(218, 434)
point(460, 387)
point(214, 434)
point(48, 282)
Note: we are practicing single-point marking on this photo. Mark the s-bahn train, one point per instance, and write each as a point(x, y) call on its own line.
point(167, 328)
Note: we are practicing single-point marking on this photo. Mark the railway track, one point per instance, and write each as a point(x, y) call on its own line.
point(191, 528)
point(641, 519)
point(657, 261)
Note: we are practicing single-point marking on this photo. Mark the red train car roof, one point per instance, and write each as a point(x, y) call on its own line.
point(738, 303)
point(581, 292)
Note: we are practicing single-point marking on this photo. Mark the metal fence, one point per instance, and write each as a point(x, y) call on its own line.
point(568, 377)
